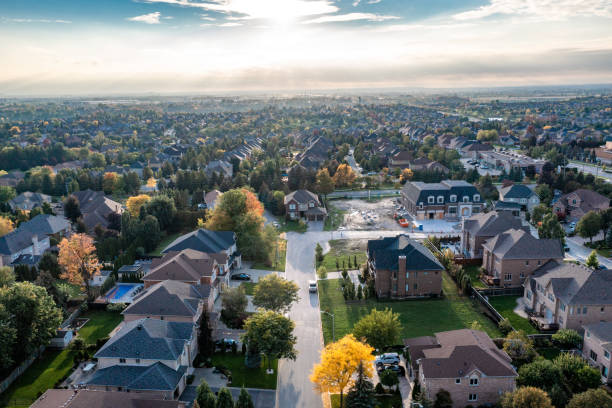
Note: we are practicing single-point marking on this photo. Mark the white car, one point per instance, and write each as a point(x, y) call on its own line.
point(312, 286)
point(387, 358)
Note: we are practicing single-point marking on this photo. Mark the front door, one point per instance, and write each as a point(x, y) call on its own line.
point(431, 216)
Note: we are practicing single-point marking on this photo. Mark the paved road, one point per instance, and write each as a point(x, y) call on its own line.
point(580, 252)
point(594, 170)
point(363, 193)
point(353, 163)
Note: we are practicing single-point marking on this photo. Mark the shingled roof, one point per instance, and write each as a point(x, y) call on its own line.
point(169, 298)
point(386, 251)
point(519, 244)
point(516, 191)
point(156, 377)
point(187, 265)
point(302, 196)
point(96, 207)
point(83, 398)
point(491, 223)
point(203, 240)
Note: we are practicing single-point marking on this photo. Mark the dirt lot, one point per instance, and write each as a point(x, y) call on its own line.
point(366, 215)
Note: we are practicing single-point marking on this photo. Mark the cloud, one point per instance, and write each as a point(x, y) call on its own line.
point(374, 1)
point(34, 20)
point(229, 25)
point(356, 3)
point(206, 17)
point(350, 17)
point(542, 9)
point(151, 18)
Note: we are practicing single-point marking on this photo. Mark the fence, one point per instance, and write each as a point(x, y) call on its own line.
point(468, 261)
point(19, 370)
point(495, 314)
point(502, 291)
point(71, 318)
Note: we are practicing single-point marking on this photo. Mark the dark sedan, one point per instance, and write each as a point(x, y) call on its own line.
point(241, 276)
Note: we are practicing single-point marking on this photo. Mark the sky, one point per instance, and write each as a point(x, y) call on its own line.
point(88, 47)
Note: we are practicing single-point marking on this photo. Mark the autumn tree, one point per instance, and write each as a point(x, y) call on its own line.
point(134, 204)
point(6, 226)
point(109, 182)
point(345, 176)
point(592, 398)
point(379, 329)
point(275, 293)
point(339, 361)
point(406, 175)
point(487, 135)
point(592, 261)
point(526, 397)
point(519, 347)
point(325, 183)
point(77, 256)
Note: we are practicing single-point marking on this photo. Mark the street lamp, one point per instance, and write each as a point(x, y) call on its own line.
point(333, 325)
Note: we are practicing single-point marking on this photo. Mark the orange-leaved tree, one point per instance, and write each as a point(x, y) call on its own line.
point(339, 361)
point(77, 256)
point(344, 176)
point(6, 226)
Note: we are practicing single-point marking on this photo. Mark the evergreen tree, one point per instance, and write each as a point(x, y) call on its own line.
point(224, 399)
point(205, 397)
point(592, 261)
point(206, 344)
point(361, 394)
point(244, 400)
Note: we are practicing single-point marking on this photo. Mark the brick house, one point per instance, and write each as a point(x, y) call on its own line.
point(513, 255)
point(447, 199)
point(304, 204)
point(466, 363)
point(403, 268)
point(576, 204)
point(568, 296)
point(597, 347)
point(483, 226)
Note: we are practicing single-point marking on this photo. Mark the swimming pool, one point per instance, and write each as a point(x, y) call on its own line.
point(122, 292)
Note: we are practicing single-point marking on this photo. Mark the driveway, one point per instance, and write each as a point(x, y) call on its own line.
point(260, 398)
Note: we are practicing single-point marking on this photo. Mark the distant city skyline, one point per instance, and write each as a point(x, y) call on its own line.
point(70, 47)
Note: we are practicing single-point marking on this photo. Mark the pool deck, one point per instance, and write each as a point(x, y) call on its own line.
point(127, 297)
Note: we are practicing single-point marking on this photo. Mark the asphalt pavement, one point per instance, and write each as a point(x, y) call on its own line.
point(594, 170)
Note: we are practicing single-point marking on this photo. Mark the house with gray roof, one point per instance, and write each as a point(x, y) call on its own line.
point(147, 341)
point(96, 208)
point(22, 243)
point(27, 201)
point(448, 199)
point(466, 363)
point(170, 300)
point(210, 242)
point(511, 256)
point(478, 228)
point(403, 268)
point(304, 204)
point(566, 295)
point(47, 224)
point(220, 167)
point(597, 347)
point(83, 398)
point(519, 194)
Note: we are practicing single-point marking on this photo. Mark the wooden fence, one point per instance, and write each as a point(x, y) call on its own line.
point(19, 370)
point(502, 291)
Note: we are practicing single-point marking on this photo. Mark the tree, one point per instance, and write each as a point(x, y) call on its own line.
point(206, 345)
point(567, 339)
point(244, 400)
point(6, 226)
point(271, 334)
point(388, 378)
point(319, 253)
point(162, 207)
point(487, 135)
point(344, 176)
point(110, 180)
point(380, 328)
point(72, 208)
point(325, 184)
point(406, 175)
point(519, 347)
point(541, 374)
point(234, 301)
point(551, 228)
point(204, 396)
point(443, 399)
point(361, 394)
point(7, 193)
point(579, 376)
point(591, 398)
point(8, 337)
point(77, 256)
point(592, 261)
point(134, 204)
point(339, 361)
point(526, 397)
point(7, 276)
point(224, 399)
point(538, 213)
point(589, 225)
point(275, 293)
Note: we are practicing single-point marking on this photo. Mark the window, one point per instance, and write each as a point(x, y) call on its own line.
point(593, 355)
point(311, 204)
point(452, 210)
point(122, 361)
point(407, 288)
point(457, 380)
point(421, 205)
point(606, 354)
point(474, 381)
point(551, 297)
point(137, 361)
point(539, 262)
point(415, 286)
point(473, 397)
point(476, 197)
point(407, 275)
point(522, 275)
point(578, 312)
point(584, 310)
point(560, 320)
point(573, 201)
point(523, 200)
point(440, 199)
point(292, 206)
point(508, 277)
point(425, 273)
point(526, 262)
point(453, 198)
point(394, 286)
point(602, 309)
point(466, 199)
point(431, 199)
point(588, 332)
point(529, 295)
point(563, 306)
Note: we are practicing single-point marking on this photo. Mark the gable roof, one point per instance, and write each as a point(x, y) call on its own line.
point(302, 197)
point(96, 207)
point(168, 298)
point(17, 240)
point(417, 191)
point(148, 339)
point(46, 224)
point(83, 398)
point(519, 244)
point(386, 252)
point(603, 331)
point(28, 200)
point(590, 200)
point(203, 240)
point(187, 265)
point(156, 377)
point(516, 191)
point(491, 223)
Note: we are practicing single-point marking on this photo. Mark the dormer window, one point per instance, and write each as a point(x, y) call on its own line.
point(440, 199)
point(476, 197)
point(421, 205)
point(466, 199)
point(430, 199)
point(453, 198)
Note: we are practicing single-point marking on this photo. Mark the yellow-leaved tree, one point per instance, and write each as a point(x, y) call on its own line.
point(135, 202)
point(6, 226)
point(406, 175)
point(77, 256)
point(339, 361)
point(345, 176)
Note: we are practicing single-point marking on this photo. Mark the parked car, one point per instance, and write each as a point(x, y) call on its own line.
point(391, 367)
point(312, 286)
point(241, 276)
point(387, 358)
point(566, 248)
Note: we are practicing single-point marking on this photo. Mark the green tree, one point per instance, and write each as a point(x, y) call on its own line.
point(443, 399)
point(578, 375)
point(526, 397)
point(8, 338)
point(379, 328)
point(72, 209)
point(7, 193)
point(7, 276)
point(538, 213)
point(275, 293)
point(589, 225)
point(541, 374)
point(272, 334)
point(592, 261)
point(206, 345)
point(234, 301)
point(590, 399)
point(325, 183)
point(205, 397)
point(162, 207)
point(244, 400)
point(224, 399)
point(551, 228)
point(567, 339)
point(519, 347)
point(388, 378)
point(361, 394)
point(319, 253)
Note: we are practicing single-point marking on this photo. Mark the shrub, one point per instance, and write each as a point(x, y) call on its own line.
point(567, 339)
point(344, 274)
point(322, 271)
point(190, 378)
point(504, 326)
point(115, 307)
point(379, 389)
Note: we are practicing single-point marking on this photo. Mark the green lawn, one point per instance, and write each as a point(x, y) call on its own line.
point(247, 377)
point(549, 353)
point(505, 306)
point(334, 219)
point(55, 365)
point(418, 317)
point(75, 291)
point(292, 226)
point(340, 250)
point(164, 243)
point(474, 272)
point(278, 263)
point(383, 402)
point(249, 287)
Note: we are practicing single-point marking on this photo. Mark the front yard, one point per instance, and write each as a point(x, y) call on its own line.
point(386, 401)
point(505, 306)
point(247, 377)
point(341, 250)
point(418, 317)
point(278, 257)
point(55, 365)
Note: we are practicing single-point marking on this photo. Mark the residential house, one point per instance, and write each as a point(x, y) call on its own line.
point(170, 300)
point(511, 256)
point(519, 194)
point(22, 242)
point(576, 204)
point(83, 398)
point(96, 208)
point(27, 201)
point(424, 164)
point(604, 153)
point(481, 227)
point(400, 160)
point(447, 199)
point(597, 346)
point(50, 225)
point(304, 204)
point(315, 153)
point(475, 150)
point(403, 268)
point(210, 242)
point(466, 363)
point(11, 179)
point(221, 168)
point(212, 198)
point(566, 295)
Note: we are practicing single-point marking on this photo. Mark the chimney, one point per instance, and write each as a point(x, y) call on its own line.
point(401, 267)
point(35, 244)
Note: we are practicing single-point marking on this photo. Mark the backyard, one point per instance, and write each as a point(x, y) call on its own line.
point(247, 377)
point(164, 243)
point(505, 306)
point(340, 251)
point(418, 317)
point(278, 258)
point(55, 365)
point(474, 272)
